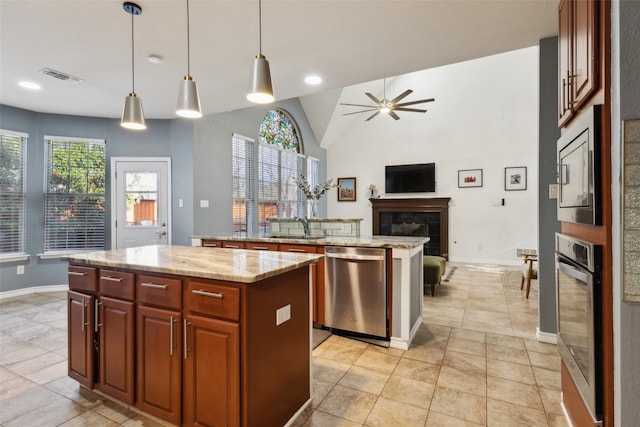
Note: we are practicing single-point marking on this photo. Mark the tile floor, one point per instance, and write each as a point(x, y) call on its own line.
point(475, 361)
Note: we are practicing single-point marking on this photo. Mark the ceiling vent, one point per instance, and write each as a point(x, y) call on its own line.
point(60, 75)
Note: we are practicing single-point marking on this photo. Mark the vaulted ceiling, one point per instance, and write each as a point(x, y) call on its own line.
point(344, 42)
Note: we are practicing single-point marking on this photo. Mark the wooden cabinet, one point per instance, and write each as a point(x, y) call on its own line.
point(260, 246)
point(208, 243)
point(211, 381)
point(159, 362)
point(578, 50)
point(116, 348)
point(233, 245)
point(80, 335)
point(317, 279)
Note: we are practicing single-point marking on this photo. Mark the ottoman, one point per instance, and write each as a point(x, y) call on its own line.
point(434, 268)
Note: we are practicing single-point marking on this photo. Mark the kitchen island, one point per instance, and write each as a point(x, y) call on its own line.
point(404, 272)
point(194, 336)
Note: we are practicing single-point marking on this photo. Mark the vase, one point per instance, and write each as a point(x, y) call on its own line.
point(312, 206)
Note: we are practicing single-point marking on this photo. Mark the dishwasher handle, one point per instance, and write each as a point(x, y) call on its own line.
point(355, 257)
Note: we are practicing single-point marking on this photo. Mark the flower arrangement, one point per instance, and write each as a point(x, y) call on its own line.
point(317, 192)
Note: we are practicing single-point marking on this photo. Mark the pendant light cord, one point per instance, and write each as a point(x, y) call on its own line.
point(188, 43)
point(133, 68)
point(260, 26)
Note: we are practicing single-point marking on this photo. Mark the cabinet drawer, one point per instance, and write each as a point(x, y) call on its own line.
point(212, 300)
point(83, 279)
point(161, 291)
point(117, 284)
point(211, 243)
point(297, 248)
point(233, 245)
point(259, 246)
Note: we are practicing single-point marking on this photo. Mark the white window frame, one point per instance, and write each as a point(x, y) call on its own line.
point(250, 218)
point(55, 253)
point(21, 254)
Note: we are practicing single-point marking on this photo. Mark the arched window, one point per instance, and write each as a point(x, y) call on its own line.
point(279, 129)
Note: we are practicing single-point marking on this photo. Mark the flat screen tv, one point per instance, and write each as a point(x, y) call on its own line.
point(418, 178)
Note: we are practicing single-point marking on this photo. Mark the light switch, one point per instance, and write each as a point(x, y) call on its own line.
point(204, 203)
point(283, 314)
point(20, 269)
point(180, 203)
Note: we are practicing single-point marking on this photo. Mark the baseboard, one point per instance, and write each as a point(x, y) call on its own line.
point(546, 337)
point(33, 290)
point(488, 262)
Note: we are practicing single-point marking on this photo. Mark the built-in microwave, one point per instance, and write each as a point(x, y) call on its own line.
point(579, 193)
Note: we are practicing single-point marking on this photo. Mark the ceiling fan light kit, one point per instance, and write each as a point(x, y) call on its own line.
point(388, 107)
point(261, 87)
point(188, 98)
point(132, 114)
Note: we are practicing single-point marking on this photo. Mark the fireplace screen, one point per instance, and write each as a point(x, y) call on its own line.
point(423, 224)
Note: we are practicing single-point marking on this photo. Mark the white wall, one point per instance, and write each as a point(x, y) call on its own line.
point(485, 116)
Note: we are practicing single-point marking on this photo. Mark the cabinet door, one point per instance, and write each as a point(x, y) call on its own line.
point(159, 362)
point(80, 326)
point(211, 373)
point(564, 61)
point(585, 52)
point(115, 329)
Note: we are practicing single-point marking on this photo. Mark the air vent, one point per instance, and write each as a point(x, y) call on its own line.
point(60, 75)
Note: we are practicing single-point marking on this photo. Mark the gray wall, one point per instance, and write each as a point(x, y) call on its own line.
point(212, 160)
point(163, 138)
point(625, 41)
point(548, 224)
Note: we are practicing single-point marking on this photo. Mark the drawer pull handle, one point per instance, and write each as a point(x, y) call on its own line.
point(111, 279)
point(153, 285)
point(207, 294)
point(210, 245)
point(297, 250)
point(260, 248)
point(232, 246)
point(77, 273)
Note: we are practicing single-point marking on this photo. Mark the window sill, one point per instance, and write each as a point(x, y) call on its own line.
point(14, 257)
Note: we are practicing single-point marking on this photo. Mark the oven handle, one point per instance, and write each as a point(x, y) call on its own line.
point(574, 272)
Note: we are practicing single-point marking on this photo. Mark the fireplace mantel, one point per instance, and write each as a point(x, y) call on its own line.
point(435, 204)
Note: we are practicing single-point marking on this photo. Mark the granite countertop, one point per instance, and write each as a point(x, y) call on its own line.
point(235, 265)
point(398, 242)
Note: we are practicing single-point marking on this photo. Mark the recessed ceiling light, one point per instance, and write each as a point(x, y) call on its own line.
point(30, 85)
point(155, 59)
point(313, 80)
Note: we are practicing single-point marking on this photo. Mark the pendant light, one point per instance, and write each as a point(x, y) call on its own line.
point(261, 88)
point(188, 98)
point(132, 115)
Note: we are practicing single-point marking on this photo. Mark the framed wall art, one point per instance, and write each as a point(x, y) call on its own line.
point(346, 189)
point(515, 178)
point(470, 178)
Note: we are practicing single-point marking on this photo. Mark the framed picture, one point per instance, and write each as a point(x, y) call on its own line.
point(346, 189)
point(470, 178)
point(515, 178)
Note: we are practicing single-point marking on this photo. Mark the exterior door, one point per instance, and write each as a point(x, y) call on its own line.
point(140, 201)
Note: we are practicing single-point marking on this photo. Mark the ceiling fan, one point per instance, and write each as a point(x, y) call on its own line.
point(388, 107)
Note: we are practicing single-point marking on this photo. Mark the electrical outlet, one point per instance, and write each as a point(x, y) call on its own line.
point(20, 269)
point(283, 314)
point(180, 203)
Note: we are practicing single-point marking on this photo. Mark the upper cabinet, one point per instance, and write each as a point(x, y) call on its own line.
point(577, 56)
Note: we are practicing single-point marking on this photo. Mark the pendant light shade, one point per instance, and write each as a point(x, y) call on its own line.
point(132, 114)
point(188, 98)
point(261, 87)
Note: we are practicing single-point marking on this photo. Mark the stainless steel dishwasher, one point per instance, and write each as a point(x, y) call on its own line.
point(356, 290)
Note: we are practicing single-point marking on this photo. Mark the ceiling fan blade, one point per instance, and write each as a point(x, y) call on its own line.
point(394, 115)
point(359, 105)
point(404, 104)
point(415, 110)
point(399, 97)
point(376, 100)
point(357, 112)
point(372, 116)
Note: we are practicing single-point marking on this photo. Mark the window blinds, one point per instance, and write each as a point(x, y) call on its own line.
point(13, 155)
point(243, 183)
point(74, 194)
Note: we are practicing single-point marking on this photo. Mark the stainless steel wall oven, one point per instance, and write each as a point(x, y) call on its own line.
point(579, 306)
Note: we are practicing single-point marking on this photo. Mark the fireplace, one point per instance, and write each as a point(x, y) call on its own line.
point(427, 217)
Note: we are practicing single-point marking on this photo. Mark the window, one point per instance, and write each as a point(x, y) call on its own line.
point(74, 194)
point(13, 156)
point(242, 192)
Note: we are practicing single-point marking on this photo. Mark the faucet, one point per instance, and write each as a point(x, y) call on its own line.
point(305, 225)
